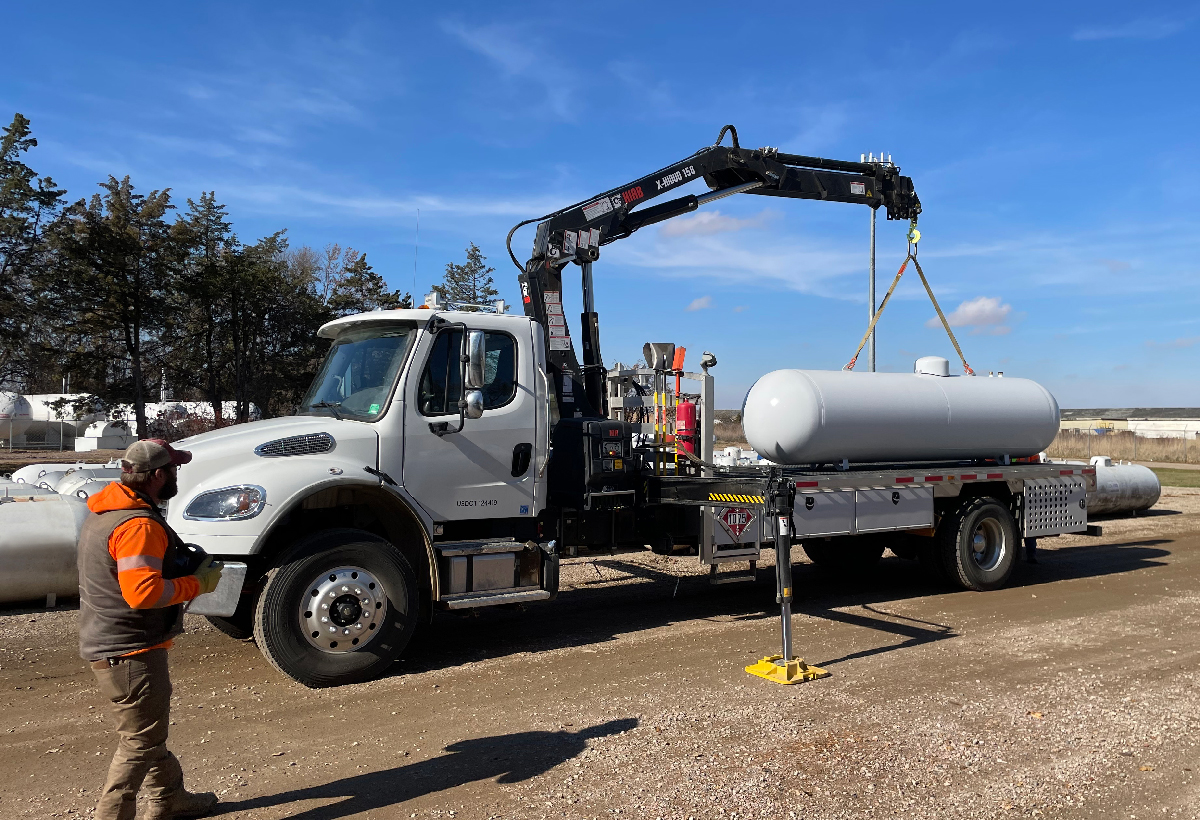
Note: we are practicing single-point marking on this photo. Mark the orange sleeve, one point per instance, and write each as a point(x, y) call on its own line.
point(138, 547)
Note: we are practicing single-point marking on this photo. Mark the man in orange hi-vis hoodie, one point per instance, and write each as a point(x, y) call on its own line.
point(131, 591)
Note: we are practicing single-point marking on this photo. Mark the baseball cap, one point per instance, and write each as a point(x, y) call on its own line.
point(150, 454)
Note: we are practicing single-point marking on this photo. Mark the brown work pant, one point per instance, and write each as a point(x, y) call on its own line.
point(140, 690)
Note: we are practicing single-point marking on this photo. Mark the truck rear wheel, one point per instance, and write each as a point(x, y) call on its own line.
point(845, 554)
point(978, 544)
point(340, 608)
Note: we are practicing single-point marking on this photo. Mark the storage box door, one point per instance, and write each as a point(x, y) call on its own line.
point(830, 513)
point(906, 508)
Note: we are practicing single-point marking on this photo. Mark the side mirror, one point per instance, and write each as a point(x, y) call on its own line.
point(475, 350)
point(473, 404)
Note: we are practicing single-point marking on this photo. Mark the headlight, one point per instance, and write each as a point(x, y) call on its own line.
point(227, 504)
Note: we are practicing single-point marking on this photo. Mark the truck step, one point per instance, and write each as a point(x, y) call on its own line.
point(748, 577)
point(471, 600)
point(481, 547)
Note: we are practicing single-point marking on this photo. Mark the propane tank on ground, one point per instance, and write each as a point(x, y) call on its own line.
point(37, 547)
point(825, 416)
point(1122, 487)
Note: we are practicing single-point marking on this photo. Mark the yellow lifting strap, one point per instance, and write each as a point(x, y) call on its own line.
point(914, 236)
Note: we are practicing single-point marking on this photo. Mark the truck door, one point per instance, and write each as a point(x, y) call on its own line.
point(487, 469)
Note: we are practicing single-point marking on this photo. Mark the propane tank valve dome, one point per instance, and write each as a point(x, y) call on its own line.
point(932, 366)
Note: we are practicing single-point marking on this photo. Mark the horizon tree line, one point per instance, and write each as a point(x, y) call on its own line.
point(114, 292)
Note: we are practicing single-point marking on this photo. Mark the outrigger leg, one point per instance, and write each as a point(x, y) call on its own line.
point(784, 668)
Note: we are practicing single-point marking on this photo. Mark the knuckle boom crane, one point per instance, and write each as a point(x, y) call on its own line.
point(576, 234)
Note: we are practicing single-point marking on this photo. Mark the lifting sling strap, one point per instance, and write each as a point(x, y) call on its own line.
point(914, 236)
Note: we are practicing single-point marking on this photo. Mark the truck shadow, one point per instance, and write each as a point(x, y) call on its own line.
point(503, 758)
point(614, 597)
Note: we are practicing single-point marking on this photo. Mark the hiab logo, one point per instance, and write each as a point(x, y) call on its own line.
point(632, 195)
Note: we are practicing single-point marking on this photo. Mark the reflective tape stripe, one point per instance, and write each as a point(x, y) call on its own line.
point(136, 561)
point(167, 594)
point(741, 499)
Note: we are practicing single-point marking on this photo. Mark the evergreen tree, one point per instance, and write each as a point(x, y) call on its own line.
point(469, 283)
point(360, 289)
point(199, 307)
point(272, 330)
point(27, 204)
point(118, 262)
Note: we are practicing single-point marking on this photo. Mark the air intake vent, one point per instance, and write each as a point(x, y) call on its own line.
point(296, 446)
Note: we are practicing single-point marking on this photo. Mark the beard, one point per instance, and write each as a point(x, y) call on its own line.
point(170, 489)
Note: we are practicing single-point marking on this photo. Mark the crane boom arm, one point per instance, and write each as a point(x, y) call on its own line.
point(576, 234)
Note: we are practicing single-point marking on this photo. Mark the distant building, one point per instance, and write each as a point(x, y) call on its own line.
point(1148, 422)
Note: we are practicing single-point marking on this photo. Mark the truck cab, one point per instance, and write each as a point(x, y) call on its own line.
point(421, 426)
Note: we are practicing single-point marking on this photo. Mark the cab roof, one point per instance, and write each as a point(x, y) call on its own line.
point(331, 330)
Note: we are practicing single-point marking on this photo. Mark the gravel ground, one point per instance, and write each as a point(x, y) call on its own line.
point(1070, 694)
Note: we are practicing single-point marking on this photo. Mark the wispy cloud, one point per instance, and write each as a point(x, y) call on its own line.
point(985, 314)
point(821, 128)
point(519, 56)
point(1176, 344)
point(286, 199)
point(699, 304)
point(794, 262)
point(640, 81)
point(708, 223)
point(1143, 28)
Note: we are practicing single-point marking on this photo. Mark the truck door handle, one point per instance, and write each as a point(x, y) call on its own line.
point(521, 456)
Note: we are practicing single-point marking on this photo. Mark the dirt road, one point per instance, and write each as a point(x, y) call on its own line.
point(1071, 694)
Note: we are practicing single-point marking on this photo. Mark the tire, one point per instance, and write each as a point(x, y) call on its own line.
point(237, 628)
point(370, 603)
point(929, 554)
point(239, 625)
point(846, 554)
point(978, 545)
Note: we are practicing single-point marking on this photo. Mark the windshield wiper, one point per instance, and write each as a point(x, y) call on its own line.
point(332, 405)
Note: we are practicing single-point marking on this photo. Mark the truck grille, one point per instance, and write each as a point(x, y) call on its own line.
point(304, 445)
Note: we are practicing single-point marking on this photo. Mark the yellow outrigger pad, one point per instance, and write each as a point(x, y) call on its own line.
point(775, 669)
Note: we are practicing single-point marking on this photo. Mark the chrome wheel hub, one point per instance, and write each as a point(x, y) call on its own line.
point(988, 544)
point(342, 610)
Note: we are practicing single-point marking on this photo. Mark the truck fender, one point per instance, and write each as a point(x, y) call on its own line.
point(401, 520)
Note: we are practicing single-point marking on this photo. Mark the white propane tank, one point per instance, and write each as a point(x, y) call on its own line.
point(15, 415)
point(86, 489)
point(33, 473)
point(1122, 487)
point(13, 489)
point(77, 478)
point(46, 420)
point(37, 547)
point(825, 416)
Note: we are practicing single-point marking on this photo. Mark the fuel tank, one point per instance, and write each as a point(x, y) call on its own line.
point(824, 416)
point(15, 415)
point(37, 547)
point(1122, 487)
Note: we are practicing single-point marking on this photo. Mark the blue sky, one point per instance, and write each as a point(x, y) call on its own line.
point(1054, 148)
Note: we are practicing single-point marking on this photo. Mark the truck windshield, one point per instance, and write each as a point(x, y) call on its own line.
point(359, 372)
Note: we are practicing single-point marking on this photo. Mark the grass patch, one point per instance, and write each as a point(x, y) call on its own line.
point(1178, 478)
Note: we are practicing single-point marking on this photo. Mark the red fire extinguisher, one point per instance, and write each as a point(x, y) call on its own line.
point(685, 426)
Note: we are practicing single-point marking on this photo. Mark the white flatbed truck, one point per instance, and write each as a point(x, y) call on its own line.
point(447, 459)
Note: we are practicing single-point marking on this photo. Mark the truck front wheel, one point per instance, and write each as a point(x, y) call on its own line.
point(978, 544)
point(340, 608)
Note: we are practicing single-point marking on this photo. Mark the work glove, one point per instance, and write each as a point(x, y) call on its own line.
point(208, 574)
